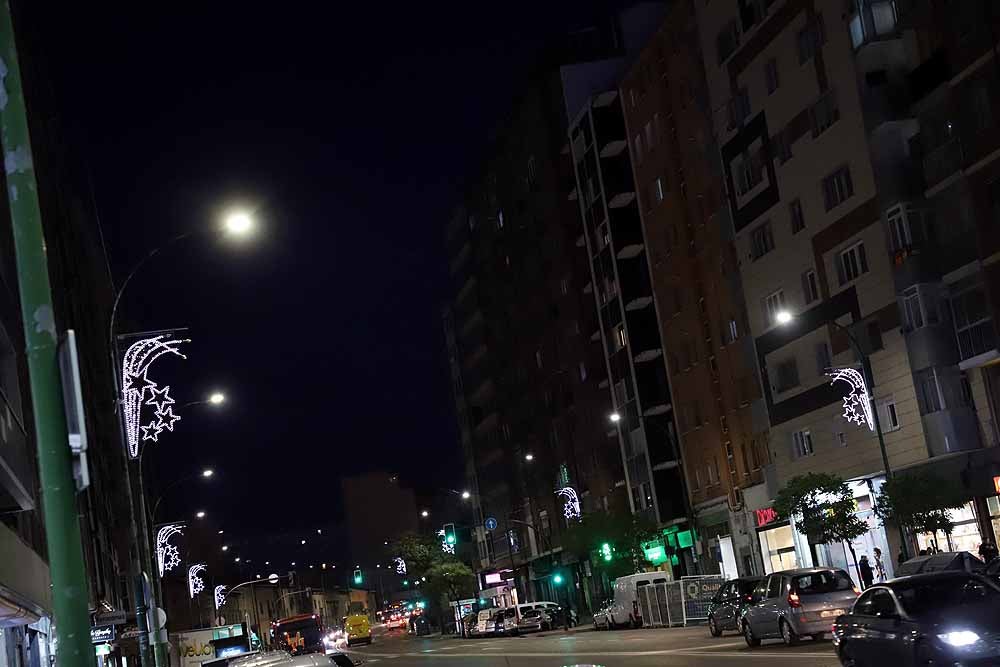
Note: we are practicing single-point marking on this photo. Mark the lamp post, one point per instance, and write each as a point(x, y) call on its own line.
point(207, 473)
point(235, 224)
point(785, 318)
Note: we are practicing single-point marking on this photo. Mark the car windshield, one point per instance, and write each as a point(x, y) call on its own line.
point(747, 586)
point(941, 593)
point(532, 613)
point(818, 583)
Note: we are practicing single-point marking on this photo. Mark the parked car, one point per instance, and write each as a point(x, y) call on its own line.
point(962, 561)
point(601, 616)
point(797, 603)
point(535, 620)
point(624, 608)
point(485, 622)
point(728, 604)
point(943, 618)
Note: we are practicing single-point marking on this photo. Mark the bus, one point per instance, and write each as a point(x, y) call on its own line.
point(298, 634)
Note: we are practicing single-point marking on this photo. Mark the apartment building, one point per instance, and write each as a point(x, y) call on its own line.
point(528, 380)
point(816, 157)
point(687, 232)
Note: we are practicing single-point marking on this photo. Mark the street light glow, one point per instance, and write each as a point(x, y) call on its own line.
point(237, 559)
point(239, 223)
point(225, 547)
point(217, 398)
point(303, 541)
point(207, 472)
point(221, 531)
point(615, 417)
point(529, 457)
point(200, 514)
point(425, 514)
point(466, 495)
point(783, 317)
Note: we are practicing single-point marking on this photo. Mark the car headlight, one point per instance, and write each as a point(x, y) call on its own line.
point(959, 637)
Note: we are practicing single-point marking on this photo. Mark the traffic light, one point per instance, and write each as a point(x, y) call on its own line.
point(421, 604)
point(357, 576)
point(406, 582)
point(449, 534)
point(606, 552)
point(557, 579)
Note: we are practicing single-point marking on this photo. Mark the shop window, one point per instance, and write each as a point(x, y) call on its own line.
point(802, 444)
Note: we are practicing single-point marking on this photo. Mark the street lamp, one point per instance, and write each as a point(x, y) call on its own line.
point(529, 457)
point(425, 514)
point(217, 398)
point(466, 495)
point(238, 223)
point(225, 547)
point(615, 417)
point(200, 514)
point(207, 472)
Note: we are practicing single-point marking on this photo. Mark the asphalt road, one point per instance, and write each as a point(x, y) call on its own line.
point(632, 648)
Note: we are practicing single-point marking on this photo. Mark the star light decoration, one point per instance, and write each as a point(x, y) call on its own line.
point(445, 547)
point(400, 565)
point(168, 556)
point(195, 583)
point(571, 508)
point(857, 403)
point(135, 385)
point(220, 596)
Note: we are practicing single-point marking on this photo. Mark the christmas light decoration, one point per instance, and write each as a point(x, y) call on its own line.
point(168, 556)
point(571, 508)
point(135, 384)
point(220, 596)
point(195, 583)
point(400, 565)
point(857, 403)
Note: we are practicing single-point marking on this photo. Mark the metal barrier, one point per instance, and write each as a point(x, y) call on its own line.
point(677, 602)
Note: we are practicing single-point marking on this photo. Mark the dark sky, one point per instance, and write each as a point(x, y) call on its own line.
point(348, 127)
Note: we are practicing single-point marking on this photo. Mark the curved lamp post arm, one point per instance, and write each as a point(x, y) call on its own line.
point(159, 499)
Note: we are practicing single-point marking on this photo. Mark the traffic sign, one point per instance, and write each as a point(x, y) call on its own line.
point(490, 523)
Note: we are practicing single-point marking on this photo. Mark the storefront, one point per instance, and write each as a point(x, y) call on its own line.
point(777, 541)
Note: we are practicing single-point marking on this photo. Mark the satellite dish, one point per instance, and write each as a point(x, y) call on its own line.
point(272, 578)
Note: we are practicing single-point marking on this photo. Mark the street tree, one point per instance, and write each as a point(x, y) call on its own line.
point(823, 508)
point(624, 533)
point(921, 501)
point(419, 552)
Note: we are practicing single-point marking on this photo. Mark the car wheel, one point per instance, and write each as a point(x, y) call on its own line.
point(748, 635)
point(713, 627)
point(787, 634)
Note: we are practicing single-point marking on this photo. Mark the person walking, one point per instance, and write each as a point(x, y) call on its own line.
point(867, 576)
point(880, 575)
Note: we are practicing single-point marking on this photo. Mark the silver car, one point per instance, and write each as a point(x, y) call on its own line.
point(798, 603)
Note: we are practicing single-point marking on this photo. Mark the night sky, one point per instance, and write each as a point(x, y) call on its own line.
point(349, 129)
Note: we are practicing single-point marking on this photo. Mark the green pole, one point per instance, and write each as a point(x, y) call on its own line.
point(62, 529)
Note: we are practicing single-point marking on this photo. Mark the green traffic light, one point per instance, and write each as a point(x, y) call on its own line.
point(557, 579)
point(606, 551)
point(451, 539)
point(406, 582)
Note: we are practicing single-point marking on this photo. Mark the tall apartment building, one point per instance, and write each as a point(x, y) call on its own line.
point(688, 235)
point(819, 141)
point(526, 375)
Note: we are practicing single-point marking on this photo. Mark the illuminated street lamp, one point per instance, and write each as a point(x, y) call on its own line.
point(466, 495)
point(529, 457)
point(615, 417)
point(207, 472)
point(238, 223)
point(425, 514)
point(200, 514)
point(217, 398)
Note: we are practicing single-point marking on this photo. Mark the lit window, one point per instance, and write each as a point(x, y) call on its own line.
point(620, 336)
point(538, 358)
point(852, 263)
point(658, 189)
point(802, 444)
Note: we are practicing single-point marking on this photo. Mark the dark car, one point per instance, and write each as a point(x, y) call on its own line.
point(728, 604)
point(961, 561)
point(949, 617)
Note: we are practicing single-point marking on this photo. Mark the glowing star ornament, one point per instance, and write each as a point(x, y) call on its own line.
point(220, 596)
point(400, 565)
point(857, 403)
point(136, 384)
point(571, 506)
point(195, 583)
point(168, 556)
point(167, 418)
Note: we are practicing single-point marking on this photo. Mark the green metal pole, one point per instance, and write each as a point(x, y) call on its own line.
point(62, 528)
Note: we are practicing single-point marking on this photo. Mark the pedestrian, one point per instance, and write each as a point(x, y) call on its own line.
point(867, 576)
point(987, 551)
point(879, 566)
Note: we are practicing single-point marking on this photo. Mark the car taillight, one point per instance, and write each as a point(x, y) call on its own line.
point(857, 591)
point(793, 600)
point(749, 598)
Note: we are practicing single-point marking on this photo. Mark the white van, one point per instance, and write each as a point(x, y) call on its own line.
point(625, 609)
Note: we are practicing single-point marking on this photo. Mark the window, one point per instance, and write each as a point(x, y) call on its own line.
point(810, 287)
point(774, 303)
point(823, 360)
point(883, 16)
point(824, 113)
point(538, 358)
point(761, 241)
point(732, 331)
point(564, 286)
point(802, 444)
point(918, 309)
point(500, 219)
point(888, 417)
point(783, 147)
point(771, 75)
point(852, 263)
point(620, 336)
point(712, 470)
point(874, 333)
point(837, 187)
point(532, 174)
point(749, 172)
point(795, 213)
point(583, 371)
point(842, 438)
point(637, 143)
point(786, 375)
point(811, 38)
point(928, 393)
point(727, 40)
point(656, 190)
point(739, 108)
point(696, 482)
point(973, 322)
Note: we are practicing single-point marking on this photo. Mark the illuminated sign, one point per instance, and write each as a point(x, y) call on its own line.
point(493, 578)
point(654, 551)
point(765, 516)
point(102, 634)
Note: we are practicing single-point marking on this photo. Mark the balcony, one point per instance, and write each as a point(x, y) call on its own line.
point(943, 162)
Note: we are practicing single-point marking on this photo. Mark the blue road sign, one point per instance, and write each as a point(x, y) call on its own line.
point(491, 523)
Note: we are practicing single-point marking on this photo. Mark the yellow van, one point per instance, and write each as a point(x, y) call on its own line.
point(357, 627)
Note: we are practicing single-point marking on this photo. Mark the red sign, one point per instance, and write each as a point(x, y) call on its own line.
point(765, 516)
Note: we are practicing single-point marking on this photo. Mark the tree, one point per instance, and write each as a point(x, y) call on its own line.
point(921, 501)
point(419, 552)
point(451, 578)
point(624, 532)
point(823, 507)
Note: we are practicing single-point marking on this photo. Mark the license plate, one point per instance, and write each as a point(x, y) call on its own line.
point(830, 613)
